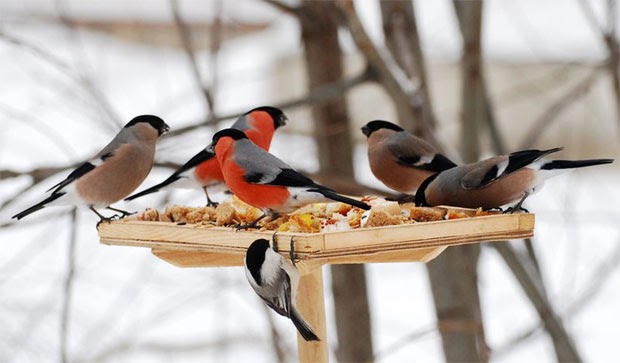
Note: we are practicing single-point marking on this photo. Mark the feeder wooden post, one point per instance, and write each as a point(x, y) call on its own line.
point(311, 305)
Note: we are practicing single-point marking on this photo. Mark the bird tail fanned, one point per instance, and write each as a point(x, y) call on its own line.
point(154, 188)
point(302, 327)
point(571, 164)
point(38, 206)
point(341, 198)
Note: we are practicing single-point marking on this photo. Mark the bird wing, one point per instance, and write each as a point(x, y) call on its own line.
point(91, 164)
point(280, 301)
point(482, 173)
point(241, 123)
point(75, 174)
point(414, 152)
point(107, 152)
point(485, 172)
point(262, 167)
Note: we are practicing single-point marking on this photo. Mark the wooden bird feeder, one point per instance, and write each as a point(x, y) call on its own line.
point(208, 246)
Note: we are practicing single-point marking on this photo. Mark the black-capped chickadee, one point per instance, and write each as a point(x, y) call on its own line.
point(275, 280)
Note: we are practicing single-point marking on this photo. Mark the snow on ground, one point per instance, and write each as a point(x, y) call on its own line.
point(131, 307)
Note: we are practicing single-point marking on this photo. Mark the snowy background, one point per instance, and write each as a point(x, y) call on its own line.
point(129, 306)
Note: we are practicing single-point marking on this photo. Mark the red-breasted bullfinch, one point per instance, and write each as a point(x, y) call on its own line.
point(497, 181)
point(202, 171)
point(275, 280)
point(399, 159)
point(266, 182)
point(113, 173)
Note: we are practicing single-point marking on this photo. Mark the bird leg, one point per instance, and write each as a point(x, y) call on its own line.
point(122, 212)
point(292, 247)
point(210, 203)
point(274, 244)
point(101, 217)
point(517, 207)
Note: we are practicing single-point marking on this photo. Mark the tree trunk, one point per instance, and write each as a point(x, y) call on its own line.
point(453, 274)
point(454, 284)
point(403, 41)
point(324, 65)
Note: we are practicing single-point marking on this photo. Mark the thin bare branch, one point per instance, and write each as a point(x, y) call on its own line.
point(40, 127)
point(390, 75)
point(186, 346)
point(555, 108)
point(600, 276)
point(186, 40)
point(65, 314)
point(403, 40)
point(285, 8)
point(473, 95)
point(113, 121)
point(609, 38)
point(403, 342)
point(320, 94)
point(66, 69)
point(566, 350)
point(613, 48)
point(276, 340)
point(215, 44)
point(588, 13)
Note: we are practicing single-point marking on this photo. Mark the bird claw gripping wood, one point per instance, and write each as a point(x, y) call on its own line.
point(292, 251)
point(274, 244)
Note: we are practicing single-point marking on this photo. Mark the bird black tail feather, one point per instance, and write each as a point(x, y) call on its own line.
point(154, 188)
point(38, 206)
point(570, 164)
point(341, 198)
point(302, 327)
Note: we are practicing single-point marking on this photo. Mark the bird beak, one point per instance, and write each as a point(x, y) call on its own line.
point(366, 130)
point(282, 120)
point(210, 149)
point(164, 130)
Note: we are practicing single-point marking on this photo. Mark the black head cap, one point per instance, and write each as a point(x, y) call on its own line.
point(279, 119)
point(234, 133)
point(255, 256)
point(375, 125)
point(156, 122)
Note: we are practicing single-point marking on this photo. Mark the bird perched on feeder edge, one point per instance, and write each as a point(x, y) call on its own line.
point(266, 182)
point(117, 170)
point(497, 181)
point(400, 160)
point(203, 171)
point(275, 280)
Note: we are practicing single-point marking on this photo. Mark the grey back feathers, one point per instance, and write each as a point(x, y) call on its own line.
point(486, 171)
point(261, 167)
